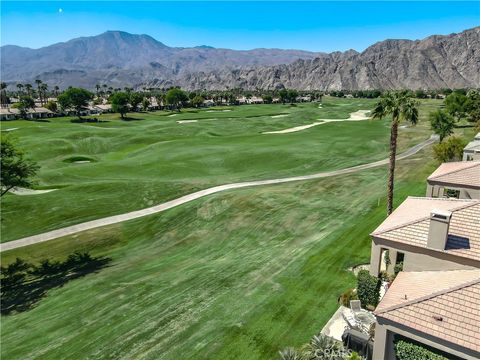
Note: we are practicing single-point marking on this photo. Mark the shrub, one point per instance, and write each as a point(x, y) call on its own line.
point(449, 150)
point(398, 267)
point(350, 294)
point(368, 288)
point(408, 350)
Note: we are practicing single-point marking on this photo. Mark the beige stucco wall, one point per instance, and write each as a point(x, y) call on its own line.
point(416, 258)
point(436, 190)
point(385, 331)
point(470, 155)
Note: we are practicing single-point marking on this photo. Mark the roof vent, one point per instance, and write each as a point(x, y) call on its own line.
point(438, 231)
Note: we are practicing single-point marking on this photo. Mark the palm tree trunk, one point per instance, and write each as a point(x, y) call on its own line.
point(391, 173)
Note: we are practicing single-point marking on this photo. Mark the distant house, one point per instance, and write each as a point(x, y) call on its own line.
point(472, 150)
point(103, 108)
point(456, 179)
point(438, 309)
point(307, 98)
point(255, 100)
point(208, 102)
point(36, 113)
point(9, 113)
point(429, 234)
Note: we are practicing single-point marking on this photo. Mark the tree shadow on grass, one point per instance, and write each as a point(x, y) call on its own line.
point(23, 284)
point(87, 120)
point(131, 118)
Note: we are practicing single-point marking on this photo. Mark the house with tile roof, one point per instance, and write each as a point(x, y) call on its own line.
point(438, 309)
point(455, 179)
point(472, 150)
point(428, 234)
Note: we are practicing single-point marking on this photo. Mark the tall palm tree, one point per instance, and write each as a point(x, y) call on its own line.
point(20, 89)
point(39, 90)
point(28, 88)
point(43, 93)
point(56, 88)
point(400, 106)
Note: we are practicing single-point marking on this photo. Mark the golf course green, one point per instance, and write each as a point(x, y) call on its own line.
point(236, 275)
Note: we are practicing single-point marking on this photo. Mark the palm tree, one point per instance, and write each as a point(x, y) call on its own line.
point(3, 94)
point(20, 89)
point(55, 89)
point(39, 82)
point(401, 106)
point(43, 93)
point(28, 88)
point(97, 87)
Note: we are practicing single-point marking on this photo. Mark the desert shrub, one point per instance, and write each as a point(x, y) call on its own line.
point(350, 294)
point(368, 288)
point(409, 350)
point(290, 354)
point(449, 150)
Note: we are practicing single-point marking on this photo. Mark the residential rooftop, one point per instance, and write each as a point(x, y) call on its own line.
point(473, 146)
point(410, 222)
point(464, 173)
point(443, 304)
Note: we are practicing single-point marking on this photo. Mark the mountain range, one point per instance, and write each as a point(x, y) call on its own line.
point(122, 59)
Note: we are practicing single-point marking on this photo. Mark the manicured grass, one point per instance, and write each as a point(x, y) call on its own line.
point(238, 275)
point(136, 164)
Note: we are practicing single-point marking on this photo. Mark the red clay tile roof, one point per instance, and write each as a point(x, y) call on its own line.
point(463, 173)
point(409, 224)
point(444, 304)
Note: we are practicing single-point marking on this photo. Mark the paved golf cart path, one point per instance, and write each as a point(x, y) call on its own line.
point(69, 230)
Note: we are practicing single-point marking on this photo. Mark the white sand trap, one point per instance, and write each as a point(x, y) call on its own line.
point(226, 110)
point(319, 106)
point(82, 162)
point(279, 116)
point(187, 121)
point(171, 115)
point(23, 191)
point(355, 116)
point(294, 129)
point(11, 129)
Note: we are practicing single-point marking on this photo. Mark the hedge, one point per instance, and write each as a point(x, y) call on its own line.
point(408, 350)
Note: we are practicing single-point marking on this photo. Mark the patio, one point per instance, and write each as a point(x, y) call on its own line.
point(349, 318)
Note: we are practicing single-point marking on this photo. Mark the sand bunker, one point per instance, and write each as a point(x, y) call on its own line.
point(219, 110)
point(82, 162)
point(354, 116)
point(187, 121)
point(23, 191)
point(171, 115)
point(11, 129)
point(278, 116)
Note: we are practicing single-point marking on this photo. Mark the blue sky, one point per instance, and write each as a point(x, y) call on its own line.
point(316, 26)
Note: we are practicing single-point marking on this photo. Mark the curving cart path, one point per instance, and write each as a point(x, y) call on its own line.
point(69, 230)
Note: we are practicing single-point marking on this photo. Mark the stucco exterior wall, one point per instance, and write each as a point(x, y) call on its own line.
point(437, 190)
point(416, 258)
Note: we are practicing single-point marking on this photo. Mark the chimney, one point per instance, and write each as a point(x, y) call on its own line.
point(438, 231)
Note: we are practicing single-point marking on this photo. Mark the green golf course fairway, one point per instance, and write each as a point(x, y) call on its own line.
point(139, 163)
point(236, 275)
